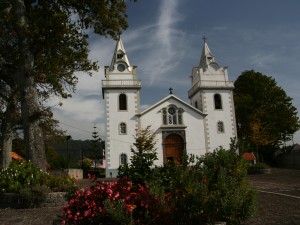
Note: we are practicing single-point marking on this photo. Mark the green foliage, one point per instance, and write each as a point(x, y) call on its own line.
point(96, 146)
point(33, 196)
point(257, 168)
point(201, 190)
point(260, 107)
point(20, 176)
point(55, 159)
point(31, 183)
point(87, 163)
point(142, 160)
point(47, 42)
point(207, 189)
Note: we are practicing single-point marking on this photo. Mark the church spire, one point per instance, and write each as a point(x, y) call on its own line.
point(119, 54)
point(207, 57)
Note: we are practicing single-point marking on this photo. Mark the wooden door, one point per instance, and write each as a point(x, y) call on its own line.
point(173, 148)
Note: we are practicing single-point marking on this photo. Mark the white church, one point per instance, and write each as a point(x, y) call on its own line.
point(200, 126)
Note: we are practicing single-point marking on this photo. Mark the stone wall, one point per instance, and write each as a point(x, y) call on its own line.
point(74, 173)
point(13, 200)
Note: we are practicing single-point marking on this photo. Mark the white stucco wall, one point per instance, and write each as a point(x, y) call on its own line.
point(216, 139)
point(192, 125)
point(120, 143)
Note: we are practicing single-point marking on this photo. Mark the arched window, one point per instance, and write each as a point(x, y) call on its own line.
point(122, 128)
point(172, 116)
point(123, 159)
point(122, 102)
point(165, 117)
point(196, 104)
point(218, 101)
point(220, 127)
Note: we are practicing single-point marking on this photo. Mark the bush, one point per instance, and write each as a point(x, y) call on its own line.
point(201, 190)
point(139, 171)
point(257, 168)
point(207, 189)
point(30, 182)
point(115, 203)
point(87, 163)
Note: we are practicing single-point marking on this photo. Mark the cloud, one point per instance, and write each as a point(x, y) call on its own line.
point(220, 28)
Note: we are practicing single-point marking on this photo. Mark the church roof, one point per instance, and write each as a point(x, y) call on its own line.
point(171, 96)
point(207, 57)
point(119, 54)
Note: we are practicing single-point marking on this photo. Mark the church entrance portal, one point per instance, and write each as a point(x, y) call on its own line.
point(174, 147)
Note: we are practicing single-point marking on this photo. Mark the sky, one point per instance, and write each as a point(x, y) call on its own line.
point(164, 40)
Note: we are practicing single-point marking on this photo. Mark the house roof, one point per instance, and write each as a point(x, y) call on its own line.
point(16, 156)
point(249, 156)
point(171, 96)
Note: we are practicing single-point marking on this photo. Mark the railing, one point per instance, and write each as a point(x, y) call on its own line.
point(121, 83)
point(211, 84)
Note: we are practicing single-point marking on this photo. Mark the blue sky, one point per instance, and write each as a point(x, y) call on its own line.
point(164, 40)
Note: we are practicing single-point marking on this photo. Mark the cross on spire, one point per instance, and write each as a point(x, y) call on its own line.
point(204, 39)
point(171, 90)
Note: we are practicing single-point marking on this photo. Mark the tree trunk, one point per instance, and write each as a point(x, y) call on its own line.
point(33, 135)
point(6, 151)
point(7, 132)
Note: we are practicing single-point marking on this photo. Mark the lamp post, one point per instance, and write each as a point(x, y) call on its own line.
point(68, 137)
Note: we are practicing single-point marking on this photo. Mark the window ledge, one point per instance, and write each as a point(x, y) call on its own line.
point(181, 126)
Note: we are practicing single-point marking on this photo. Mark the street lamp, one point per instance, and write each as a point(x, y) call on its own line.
point(68, 137)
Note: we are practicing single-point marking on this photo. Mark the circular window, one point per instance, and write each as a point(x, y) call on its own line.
point(121, 67)
point(171, 110)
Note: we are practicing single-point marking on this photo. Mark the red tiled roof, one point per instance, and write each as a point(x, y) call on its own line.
point(249, 156)
point(16, 156)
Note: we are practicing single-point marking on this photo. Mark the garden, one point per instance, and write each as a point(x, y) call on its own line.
point(201, 190)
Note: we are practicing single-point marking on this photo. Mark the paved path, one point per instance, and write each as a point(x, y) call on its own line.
point(282, 181)
point(278, 198)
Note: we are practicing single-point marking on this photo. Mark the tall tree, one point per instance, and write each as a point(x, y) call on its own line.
point(265, 115)
point(96, 145)
point(43, 42)
point(143, 156)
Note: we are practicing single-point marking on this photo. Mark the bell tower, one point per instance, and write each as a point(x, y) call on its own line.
point(212, 93)
point(121, 94)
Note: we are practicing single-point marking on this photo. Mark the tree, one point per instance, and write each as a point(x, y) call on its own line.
point(265, 115)
point(143, 156)
point(42, 44)
point(96, 145)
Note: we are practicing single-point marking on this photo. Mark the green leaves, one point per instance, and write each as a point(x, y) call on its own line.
point(143, 157)
point(265, 114)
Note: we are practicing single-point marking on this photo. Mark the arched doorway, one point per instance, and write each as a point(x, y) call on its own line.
point(174, 147)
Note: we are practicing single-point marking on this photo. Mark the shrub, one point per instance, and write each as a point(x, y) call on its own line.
point(87, 163)
point(139, 171)
point(114, 203)
point(30, 182)
point(257, 168)
point(207, 189)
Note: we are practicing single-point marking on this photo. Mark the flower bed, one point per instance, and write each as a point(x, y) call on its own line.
point(24, 185)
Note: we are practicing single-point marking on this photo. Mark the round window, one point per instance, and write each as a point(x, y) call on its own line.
point(171, 110)
point(121, 67)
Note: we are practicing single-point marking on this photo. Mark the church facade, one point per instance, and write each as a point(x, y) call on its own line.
point(200, 126)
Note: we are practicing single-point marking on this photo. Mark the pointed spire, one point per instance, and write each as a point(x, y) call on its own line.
point(207, 57)
point(119, 54)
